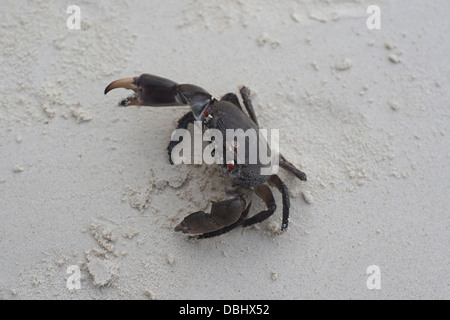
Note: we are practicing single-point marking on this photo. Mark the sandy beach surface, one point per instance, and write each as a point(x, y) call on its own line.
point(86, 185)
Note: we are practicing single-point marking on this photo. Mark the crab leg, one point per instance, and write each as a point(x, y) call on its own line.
point(290, 167)
point(183, 123)
point(275, 181)
point(264, 193)
point(245, 93)
point(231, 97)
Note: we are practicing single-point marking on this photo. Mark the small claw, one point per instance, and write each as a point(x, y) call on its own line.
point(223, 214)
point(197, 222)
point(126, 83)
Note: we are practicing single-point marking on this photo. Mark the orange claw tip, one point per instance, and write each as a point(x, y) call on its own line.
point(126, 83)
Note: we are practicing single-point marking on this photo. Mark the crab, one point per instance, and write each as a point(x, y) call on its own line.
point(223, 114)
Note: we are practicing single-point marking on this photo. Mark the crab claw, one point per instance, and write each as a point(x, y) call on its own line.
point(149, 90)
point(126, 83)
point(223, 213)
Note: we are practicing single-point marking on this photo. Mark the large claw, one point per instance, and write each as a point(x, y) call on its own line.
point(155, 91)
point(149, 90)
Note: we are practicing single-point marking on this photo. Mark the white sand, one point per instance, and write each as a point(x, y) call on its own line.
point(365, 113)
